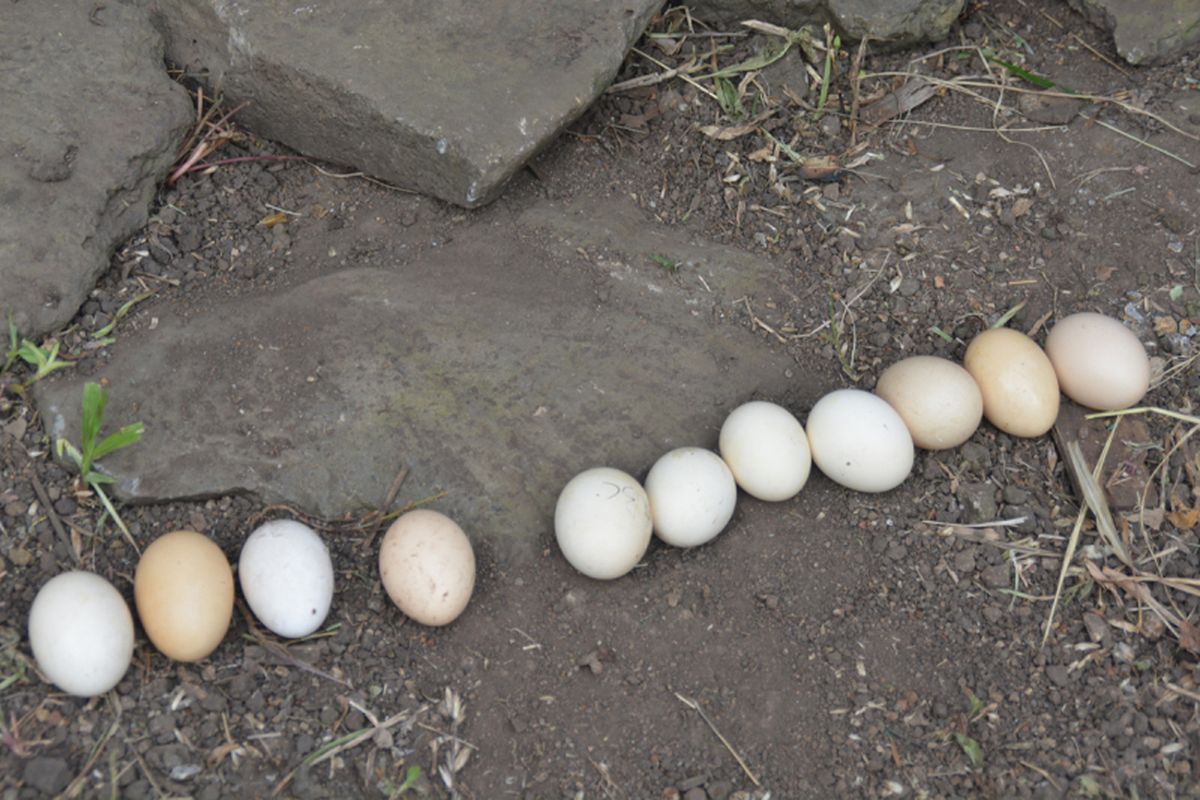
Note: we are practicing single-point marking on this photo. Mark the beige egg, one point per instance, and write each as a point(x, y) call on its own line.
point(183, 589)
point(1099, 362)
point(427, 567)
point(937, 399)
point(1016, 379)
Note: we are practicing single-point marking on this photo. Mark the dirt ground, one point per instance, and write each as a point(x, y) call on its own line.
point(837, 644)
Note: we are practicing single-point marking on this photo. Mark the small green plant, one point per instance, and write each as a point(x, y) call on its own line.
point(668, 264)
point(831, 49)
point(92, 448)
point(411, 776)
point(44, 360)
point(730, 102)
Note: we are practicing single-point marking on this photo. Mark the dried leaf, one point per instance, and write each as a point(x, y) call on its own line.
point(1184, 519)
point(912, 94)
point(731, 132)
point(271, 220)
point(1189, 636)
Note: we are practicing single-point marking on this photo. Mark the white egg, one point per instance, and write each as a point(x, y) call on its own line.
point(859, 441)
point(287, 577)
point(692, 496)
point(81, 633)
point(766, 449)
point(602, 522)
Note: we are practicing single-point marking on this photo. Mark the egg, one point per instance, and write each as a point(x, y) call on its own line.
point(81, 633)
point(183, 589)
point(859, 441)
point(602, 522)
point(692, 495)
point(1016, 380)
point(427, 566)
point(766, 449)
point(286, 576)
point(937, 399)
point(1099, 362)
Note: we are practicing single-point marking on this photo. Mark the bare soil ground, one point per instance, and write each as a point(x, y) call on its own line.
point(838, 644)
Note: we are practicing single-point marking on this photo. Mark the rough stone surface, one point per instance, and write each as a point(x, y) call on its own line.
point(897, 22)
point(1146, 31)
point(449, 98)
point(90, 123)
point(495, 369)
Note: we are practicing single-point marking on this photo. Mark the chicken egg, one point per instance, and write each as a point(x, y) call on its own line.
point(937, 399)
point(287, 577)
point(602, 522)
point(427, 566)
point(692, 496)
point(183, 589)
point(1016, 380)
point(1099, 362)
point(766, 449)
point(859, 441)
point(81, 633)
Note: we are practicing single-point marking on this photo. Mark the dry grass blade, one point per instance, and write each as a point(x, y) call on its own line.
point(1089, 487)
point(1073, 542)
point(692, 704)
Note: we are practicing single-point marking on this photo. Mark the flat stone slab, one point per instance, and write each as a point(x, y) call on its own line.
point(447, 98)
point(90, 122)
point(894, 22)
point(495, 369)
point(1146, 31)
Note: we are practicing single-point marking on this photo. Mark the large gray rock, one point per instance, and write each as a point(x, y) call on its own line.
point(90, 122)
point(448, 98)
point(894, 22)
point(1146, 31)
point(495, 368)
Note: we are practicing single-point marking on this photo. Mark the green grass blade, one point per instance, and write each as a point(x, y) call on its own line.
point(95, 399)
point(122, 438)
point(121, 312)
point(971, 748)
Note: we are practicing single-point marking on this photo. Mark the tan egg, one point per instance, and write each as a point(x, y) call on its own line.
point(1020, 391)
point(937, 399)
point(1099, 362)
point(183, 589)
point(427, 567)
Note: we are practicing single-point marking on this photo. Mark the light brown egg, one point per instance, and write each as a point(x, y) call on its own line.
point(427, 567)
point(1020, 391)
point(937, 399)
point(1099, 362)
point(183, 589)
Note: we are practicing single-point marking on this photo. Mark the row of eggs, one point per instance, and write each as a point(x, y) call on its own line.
point(81, 631)
point(604, 518)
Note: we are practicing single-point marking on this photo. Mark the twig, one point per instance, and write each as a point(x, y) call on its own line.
point(55, 522)
point(855, 81)
point(281, 651)
point(687, 78)
point(692, 704)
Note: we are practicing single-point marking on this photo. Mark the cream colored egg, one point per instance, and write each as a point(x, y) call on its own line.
point(81, 633)
point(427, 566)
point(766, 449)
point(692, 496)
point(1099, 362)
point(859, 441)
point(937, 399)
point(183, 589)
point(602, 522)
point(1016, 379)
